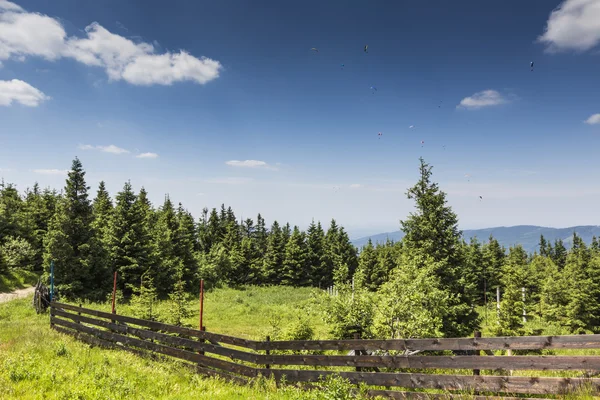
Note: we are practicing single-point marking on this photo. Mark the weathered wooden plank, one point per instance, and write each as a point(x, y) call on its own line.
point(94, 341)
point(437, 344)
point(565, 363)
point(159, 348)
point(159, 326)
point(163, 338)
point(495, 384)
point(393, 394)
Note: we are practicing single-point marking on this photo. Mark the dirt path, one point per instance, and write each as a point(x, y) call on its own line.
point(17, 294)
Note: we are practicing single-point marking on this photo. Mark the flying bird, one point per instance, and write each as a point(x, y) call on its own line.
point(366, 48)
point(315, 49)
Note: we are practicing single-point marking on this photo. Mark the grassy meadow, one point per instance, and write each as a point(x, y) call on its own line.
point(39, 363)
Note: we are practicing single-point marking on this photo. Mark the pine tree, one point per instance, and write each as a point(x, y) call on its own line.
point(543, 247)
point(433, 232)
point(185, 247)
point(475, 264)
point(295, 260)
point(493, 259)
point(273, 259)
point(102, 209)
point(71, 242)
point(315, 263)
point(260, 235)
point(559, 254)
point(34, 223)
point(164, 238)
point(367, 266)
point(514, 275)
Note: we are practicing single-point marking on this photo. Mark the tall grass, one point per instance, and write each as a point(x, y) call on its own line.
point(39, 363)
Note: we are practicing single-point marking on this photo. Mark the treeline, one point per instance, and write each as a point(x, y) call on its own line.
point(431, 283)
point(90, 239)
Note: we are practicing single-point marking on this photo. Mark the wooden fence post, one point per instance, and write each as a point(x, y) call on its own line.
point(203, 341)
point(268, 352)
point(357, 352)
point(79, 313)
point(476, 334)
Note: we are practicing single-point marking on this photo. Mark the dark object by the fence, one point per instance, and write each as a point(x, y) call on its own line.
point(477, 335)
point(138, 339)
point(41, 297)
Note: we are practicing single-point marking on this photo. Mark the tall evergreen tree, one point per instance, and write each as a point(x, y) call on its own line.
point(514, 276)
point(315, 262)
point(273, 260)
point(70, 241)
point(433, 232)
point(367, 267)
point(164, 236)
point(294, 262)
point(185, 247)
point(559, 254)
point(102, 209)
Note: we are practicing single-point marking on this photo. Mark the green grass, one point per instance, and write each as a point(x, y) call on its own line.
point(39, 363)
point(18, 279)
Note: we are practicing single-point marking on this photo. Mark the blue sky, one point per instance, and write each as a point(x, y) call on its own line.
point(171, 96)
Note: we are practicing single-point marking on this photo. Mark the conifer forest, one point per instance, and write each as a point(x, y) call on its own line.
point(434, 282)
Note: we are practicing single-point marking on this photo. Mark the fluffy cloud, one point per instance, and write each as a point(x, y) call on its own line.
point(481, 99)
point(51, 171)
point(106, 149)
point(147, 155)
point(7, 5)
point(20, 92)
point(593, 119)
point(250, 164)
point(30, 34)
point(574, 25)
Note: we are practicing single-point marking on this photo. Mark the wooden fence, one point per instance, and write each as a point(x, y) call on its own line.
point(241, 359)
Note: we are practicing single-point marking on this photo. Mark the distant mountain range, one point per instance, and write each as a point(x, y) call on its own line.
point(527, 236)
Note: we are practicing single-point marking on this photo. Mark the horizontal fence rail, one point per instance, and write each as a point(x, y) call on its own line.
point(229, 357)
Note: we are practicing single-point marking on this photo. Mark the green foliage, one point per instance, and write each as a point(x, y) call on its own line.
point(432, 233)
point(179, 308)
point(411, 304)
point(144, 299)
point(18, 253)
point(350, 312)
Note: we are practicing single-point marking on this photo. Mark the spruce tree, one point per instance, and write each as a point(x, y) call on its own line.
point(432, 231)
point(295, 260)
point(493, 259)
point(367, 266)
point(273, 259)
point(164, 237)
point(559, 254)
point(102, 209)
point(514, 277)
point(315, 263)
point(71, 241)
point(185, 247)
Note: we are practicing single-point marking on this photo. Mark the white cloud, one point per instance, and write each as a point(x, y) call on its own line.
point(593, 119)
point(51, 171)
point(30, 34)
point(484, 98)
point(355, 186)
point(5, 169)
point(7, 5)
point(147, 155)
point(574, 25)
point(106, 149)
point(20, 92)
point(250, 164)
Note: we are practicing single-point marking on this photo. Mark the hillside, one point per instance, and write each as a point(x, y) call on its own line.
point(526, 235)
